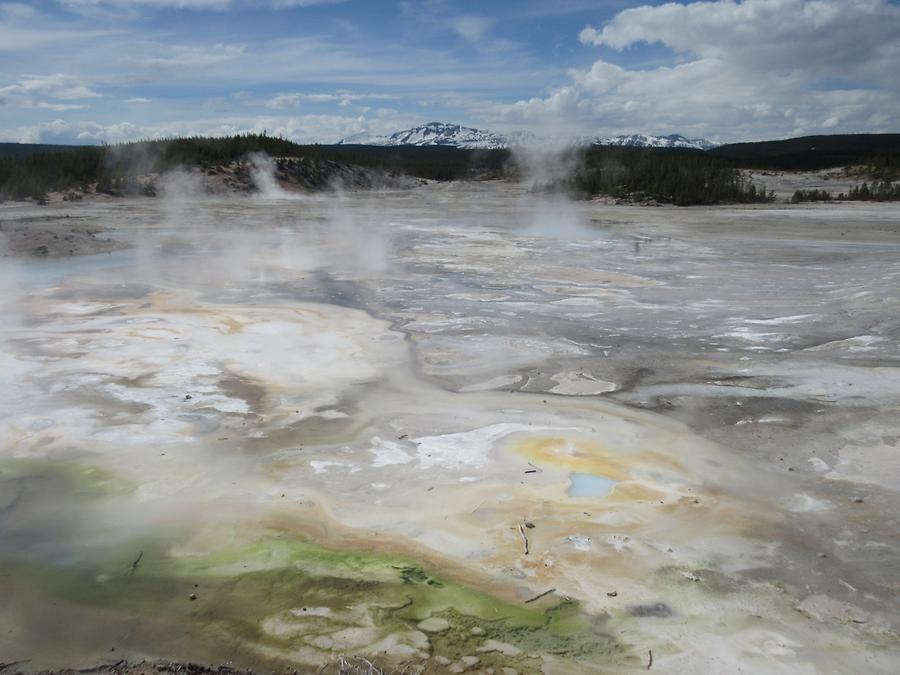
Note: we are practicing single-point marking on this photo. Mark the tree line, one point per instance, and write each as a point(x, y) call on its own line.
point(117, 168)
point(877, 152)
point(878, 191)
point(681, 177)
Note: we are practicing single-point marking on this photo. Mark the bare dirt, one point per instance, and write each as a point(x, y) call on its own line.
point(36, 234)
point(785, 183)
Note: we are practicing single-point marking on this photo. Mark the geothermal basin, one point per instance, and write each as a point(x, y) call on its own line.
point(453, 429)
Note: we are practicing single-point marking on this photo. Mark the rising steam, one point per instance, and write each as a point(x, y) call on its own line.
point(262, 173)
point(547, 170)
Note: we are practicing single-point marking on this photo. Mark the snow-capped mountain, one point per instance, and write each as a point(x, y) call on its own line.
point(435, 133)
point(457, 136)
point(645, 141)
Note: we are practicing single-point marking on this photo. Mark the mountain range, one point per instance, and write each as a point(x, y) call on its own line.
point(458, 136)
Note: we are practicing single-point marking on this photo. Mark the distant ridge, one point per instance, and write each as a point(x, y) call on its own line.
point(434, 133)
point(814, 152)
point(645, 141)
point(18, 150)
point(469, 138)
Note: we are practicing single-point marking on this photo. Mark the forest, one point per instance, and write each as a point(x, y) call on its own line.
point(879, 152)
point(31, 175)
point(681, 177)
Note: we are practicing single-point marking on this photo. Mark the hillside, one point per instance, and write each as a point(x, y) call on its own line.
point(679, 175)
point(809, 153)
point(17, 150)
point(119, 168)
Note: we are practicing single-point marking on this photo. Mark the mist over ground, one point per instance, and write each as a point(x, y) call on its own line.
point(465, 425)
point(439, 337)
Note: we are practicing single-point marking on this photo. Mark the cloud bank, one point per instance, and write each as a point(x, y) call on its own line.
point(738, 69)
point(110, 70)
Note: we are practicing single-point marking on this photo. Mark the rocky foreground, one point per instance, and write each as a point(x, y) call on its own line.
point(53, 237)
point(460, 429)
point(27, 230)
point(342, 666)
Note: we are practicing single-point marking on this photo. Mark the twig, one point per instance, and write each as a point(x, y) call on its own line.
point(524, 538)
point(478, 506)
point(137, 561)
point(538, 597)
point(650, 661)
point(845, 584)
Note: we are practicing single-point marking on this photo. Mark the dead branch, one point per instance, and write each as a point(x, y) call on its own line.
point(137, 561)
point(524, 538)
point(541, 595)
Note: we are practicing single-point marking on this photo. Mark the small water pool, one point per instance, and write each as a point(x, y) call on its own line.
point(589, 485)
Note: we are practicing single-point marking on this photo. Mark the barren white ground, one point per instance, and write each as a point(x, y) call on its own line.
point(684, 419)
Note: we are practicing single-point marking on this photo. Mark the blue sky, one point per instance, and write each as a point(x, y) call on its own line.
point(87, 71)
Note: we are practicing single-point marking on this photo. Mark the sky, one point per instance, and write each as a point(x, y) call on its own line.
point(94, 71)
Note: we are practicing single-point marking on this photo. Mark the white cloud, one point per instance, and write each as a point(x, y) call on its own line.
point(278, 4)
point(60, 107)
point(472, 28)
point(828, 36)
point(727, 69)
point(301, 129)
point(217, 5)
point(180, 56)
point(342, 98)
point(28, 92)
point(153, 4)
point(23, 28)
point(58, 85)
point(741, 69)
point(62, 131)
point(17, 10)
